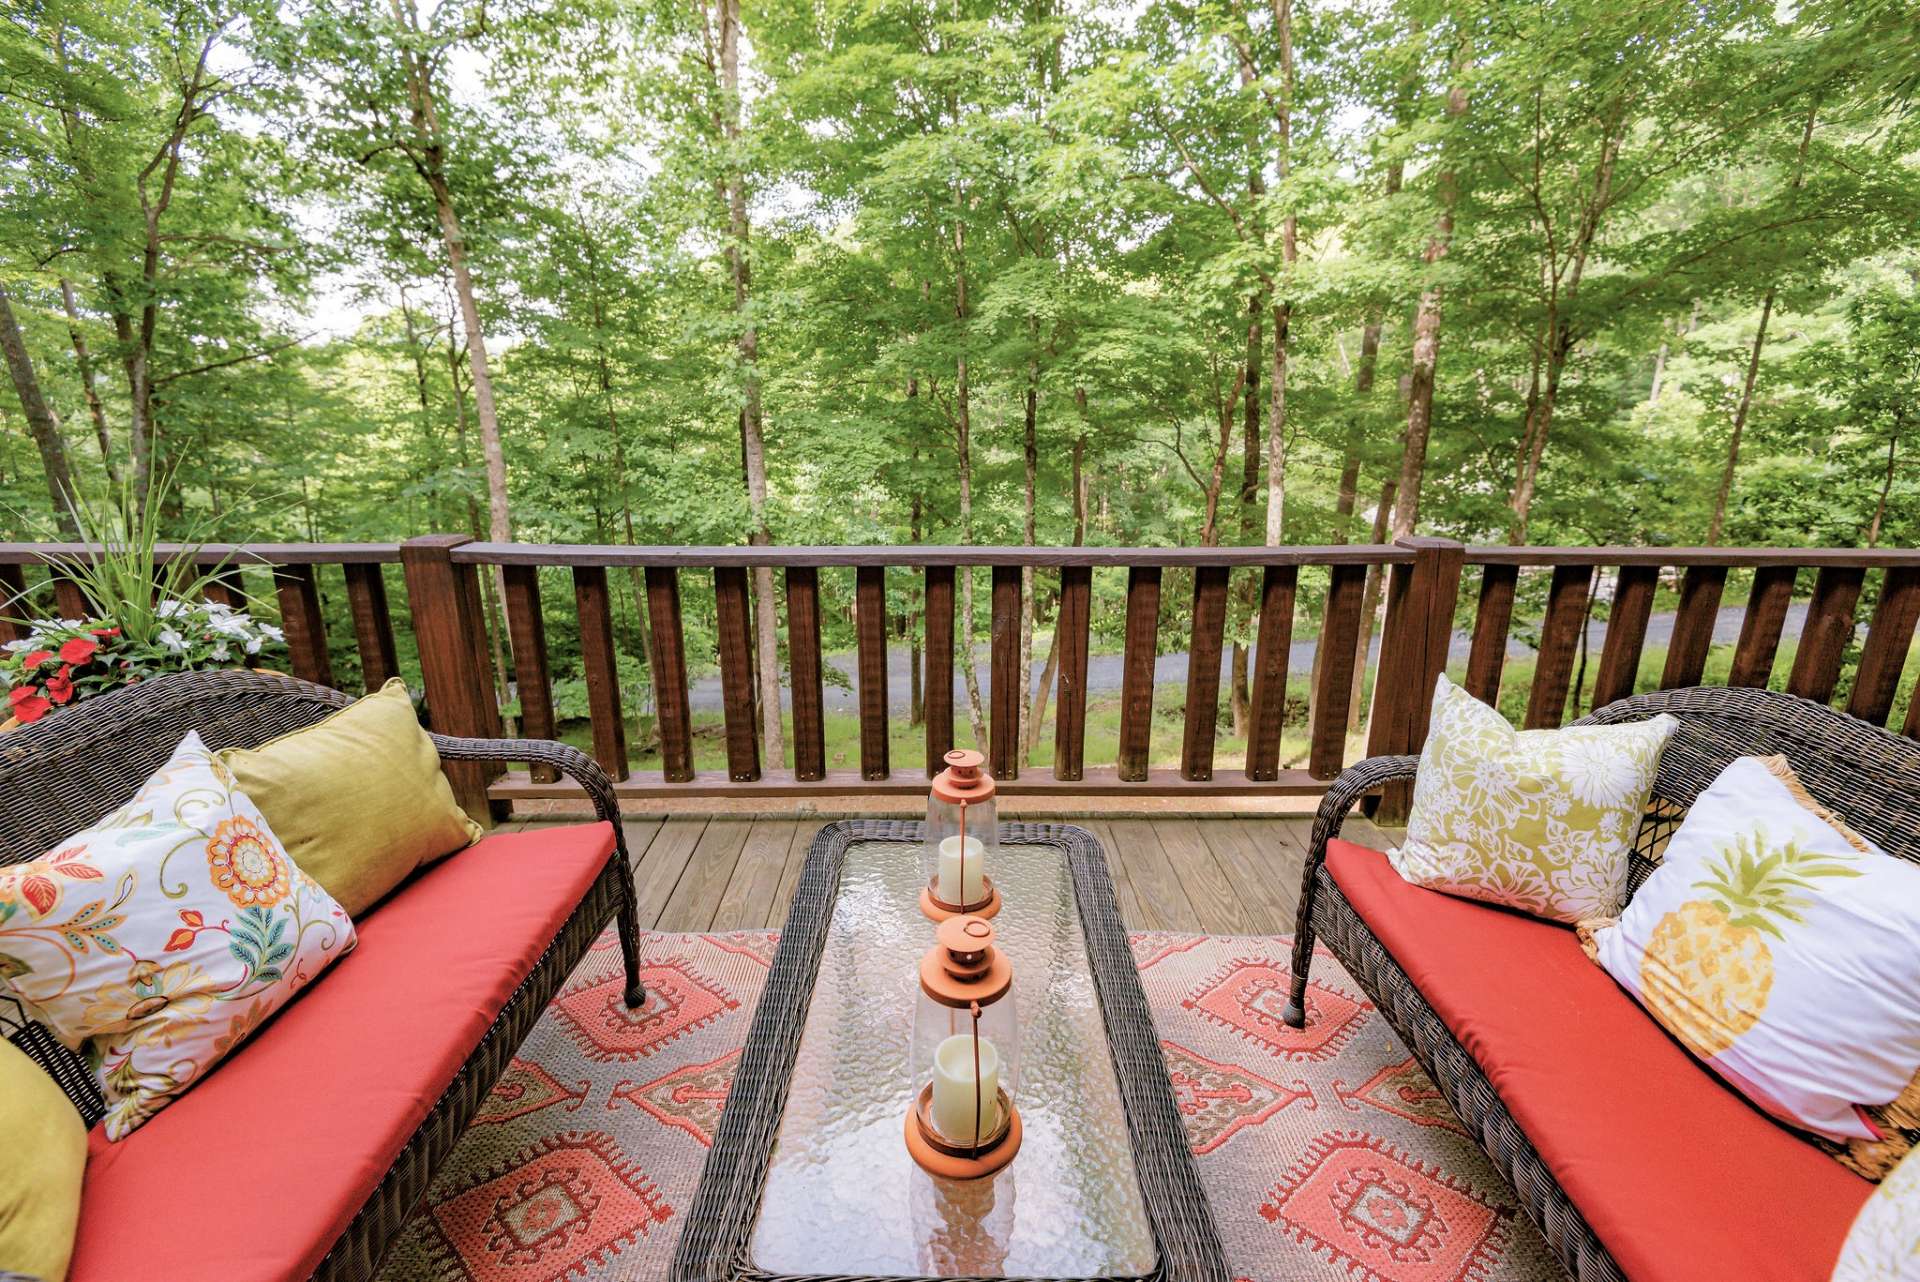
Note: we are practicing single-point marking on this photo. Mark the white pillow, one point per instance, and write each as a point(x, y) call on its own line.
point(1780, 947)
point(1884, 1243)
point(1538, 820)
point(156, 941)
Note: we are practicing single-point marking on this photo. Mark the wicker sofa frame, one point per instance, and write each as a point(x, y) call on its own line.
point(65, 773)
point(1870, 776)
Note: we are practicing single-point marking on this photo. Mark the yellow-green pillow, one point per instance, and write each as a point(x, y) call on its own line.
point(358, 799)
point(45, 1148)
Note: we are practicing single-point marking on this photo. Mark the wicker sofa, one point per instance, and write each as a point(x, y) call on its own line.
point(305, 1151)
point(1631, 1157)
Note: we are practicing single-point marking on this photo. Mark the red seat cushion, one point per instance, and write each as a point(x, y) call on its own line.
point(256, 1171)
point(1679, 1177)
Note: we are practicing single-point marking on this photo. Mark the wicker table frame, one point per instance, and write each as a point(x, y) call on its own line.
point(714, 1247)
point(1870, 776)
point(60, 775)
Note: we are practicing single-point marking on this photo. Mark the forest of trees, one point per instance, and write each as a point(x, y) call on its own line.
point(951, 271)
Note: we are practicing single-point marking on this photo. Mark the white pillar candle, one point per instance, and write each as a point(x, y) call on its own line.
point(953, 1092)
point(953, 889)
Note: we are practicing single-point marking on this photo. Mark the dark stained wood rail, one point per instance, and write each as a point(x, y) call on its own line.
point(1590, 612)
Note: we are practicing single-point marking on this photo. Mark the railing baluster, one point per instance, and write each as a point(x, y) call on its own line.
point(736, 672)
point(1003, 714)
point(13, 603)
point(1626, 633)
point(1136, 675)
point(1877, 680)
point(527, 629)
point(301, 619)
point(1272, 648)
point(599, 664)
point(1202, 720)
point(1823, 641)
point(1491, 621)
point(1340, 632)
point(937, 690)
point(1559, 637)
point(803, 650)
point(373, 624)
point(226, 587)
point(1693, 622)
point(1073, 620)
point(68, 598)
point(1760, 627)
point(870, 634)
point(668, 662)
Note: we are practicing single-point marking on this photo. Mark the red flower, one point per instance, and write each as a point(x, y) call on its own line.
point(60, 685)
point(19, 694)
point(78, 650)
point(31, 708)
point(35, 659)
point(106, 632)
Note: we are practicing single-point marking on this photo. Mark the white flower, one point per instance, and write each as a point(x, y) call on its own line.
point(173, 641)
point(21, 646)
point(220, 652)
point(172, 609)
point(231, 625)
point(272, 633)
point(253, 646)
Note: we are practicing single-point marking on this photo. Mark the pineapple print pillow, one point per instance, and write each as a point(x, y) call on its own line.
point(156, 941)
point(1538, 820)
point(1778, 945)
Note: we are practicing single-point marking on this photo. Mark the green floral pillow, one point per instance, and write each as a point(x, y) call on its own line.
point(1538, 820)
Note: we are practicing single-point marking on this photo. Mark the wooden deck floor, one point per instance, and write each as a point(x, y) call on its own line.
point(1225, 876)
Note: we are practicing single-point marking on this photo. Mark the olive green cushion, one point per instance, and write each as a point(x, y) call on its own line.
point(43, 1158)
point(358, 799)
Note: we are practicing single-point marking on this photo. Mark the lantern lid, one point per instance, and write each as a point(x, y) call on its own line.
point(963, 782)
point(964, 967)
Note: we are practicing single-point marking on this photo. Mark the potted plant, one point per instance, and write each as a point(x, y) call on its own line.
point(147, 617)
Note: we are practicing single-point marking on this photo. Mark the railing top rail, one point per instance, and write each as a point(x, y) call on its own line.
point(1732, 558)
point(611, 554)
point(215, 553)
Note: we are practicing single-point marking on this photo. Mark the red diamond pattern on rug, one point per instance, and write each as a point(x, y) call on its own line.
point(1384, 1216)
point(654, 1081)
point(525, 1088)
point(569, 1202)
point(689, 1098)
point(1248, 995)
point(1217, 1101)
point(1406, 1091)
point(679, 1001)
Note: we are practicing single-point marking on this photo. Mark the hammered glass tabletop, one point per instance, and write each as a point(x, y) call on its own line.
point(841, 1194)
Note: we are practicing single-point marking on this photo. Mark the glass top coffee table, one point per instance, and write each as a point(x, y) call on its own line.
point(809, 1177)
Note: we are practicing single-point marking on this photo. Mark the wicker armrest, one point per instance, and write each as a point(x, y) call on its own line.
point(1355, 782)
point(565, 758)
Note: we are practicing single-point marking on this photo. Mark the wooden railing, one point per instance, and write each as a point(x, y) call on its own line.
point(1424, 581)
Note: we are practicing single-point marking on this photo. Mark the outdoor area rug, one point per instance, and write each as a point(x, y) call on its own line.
point(1325, 1151)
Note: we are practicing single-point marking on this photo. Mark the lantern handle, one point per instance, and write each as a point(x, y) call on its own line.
point(979, 1105)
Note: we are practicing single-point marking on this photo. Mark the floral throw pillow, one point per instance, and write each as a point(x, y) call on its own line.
point(1777, 945)
point(156, 941)
point(1538, 820)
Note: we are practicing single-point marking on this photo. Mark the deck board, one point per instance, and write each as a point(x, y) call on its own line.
point(1212, 875)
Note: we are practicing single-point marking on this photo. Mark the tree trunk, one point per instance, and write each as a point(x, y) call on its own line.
point(963, 450)
point(491, 585)
point(1740, 413)
point(1886, 483)
point(1032, 459)
point(1370, 604)
point(1426, 351)
point(1239, 697)
point(916, 693)
point(1282, 310)
point(1051, 672)
point(83, 362)
point(752, 423)
point(42, 424)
